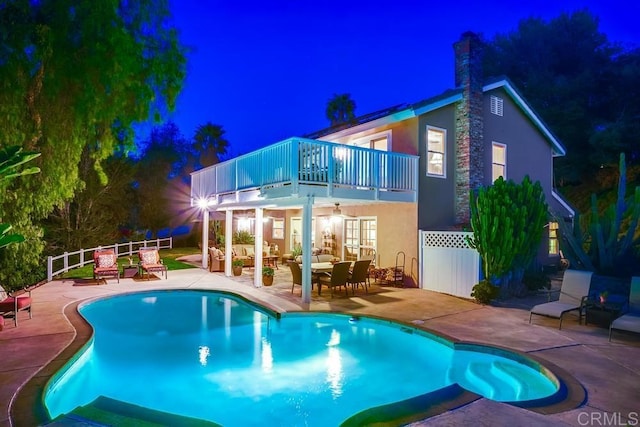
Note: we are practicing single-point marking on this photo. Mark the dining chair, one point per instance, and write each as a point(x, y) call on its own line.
point(359, 275)
point(338, 277)
point(296, 274)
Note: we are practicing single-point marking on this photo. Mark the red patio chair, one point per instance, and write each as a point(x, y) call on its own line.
point(105, 264)
point(151, 263)
point(11, 303)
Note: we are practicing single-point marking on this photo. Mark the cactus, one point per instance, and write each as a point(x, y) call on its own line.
point(608, 240)
point(507, 221)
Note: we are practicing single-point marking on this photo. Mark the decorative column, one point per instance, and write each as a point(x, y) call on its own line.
point(205, 238)
point(257, 250)
point(307, 209)
point(228, 242)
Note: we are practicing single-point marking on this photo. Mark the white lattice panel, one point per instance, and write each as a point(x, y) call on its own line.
point(445, 239)
point(449, 265)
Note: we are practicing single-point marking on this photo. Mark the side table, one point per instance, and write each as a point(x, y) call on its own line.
point(601, 314)
point(129, 271)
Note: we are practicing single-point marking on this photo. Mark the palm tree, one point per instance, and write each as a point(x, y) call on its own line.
point(341, 109)
point(209, 144)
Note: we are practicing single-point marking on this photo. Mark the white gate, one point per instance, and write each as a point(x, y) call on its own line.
point(449, 265)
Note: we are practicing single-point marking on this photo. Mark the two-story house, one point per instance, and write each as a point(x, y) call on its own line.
point(392, 174)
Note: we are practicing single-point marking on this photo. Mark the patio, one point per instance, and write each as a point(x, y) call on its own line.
point(610, 372)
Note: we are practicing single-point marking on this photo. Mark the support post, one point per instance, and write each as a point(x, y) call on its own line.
point(306, 249)
point(205, 238)
point(228, 242)
point(258, 237)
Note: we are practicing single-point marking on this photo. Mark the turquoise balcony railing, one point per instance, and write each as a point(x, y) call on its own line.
point(298, 167)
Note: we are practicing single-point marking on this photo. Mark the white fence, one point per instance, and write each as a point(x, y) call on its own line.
point(70, 260)
point(449, 265)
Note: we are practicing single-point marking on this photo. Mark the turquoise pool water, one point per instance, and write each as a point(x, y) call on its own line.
point(216, 357)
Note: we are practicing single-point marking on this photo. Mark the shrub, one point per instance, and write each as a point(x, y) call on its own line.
point(485, 292)
point(267, 271)
point(237, 263)
point(536, 280)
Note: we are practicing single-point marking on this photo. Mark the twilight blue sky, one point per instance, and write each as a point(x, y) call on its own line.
point(264, 70)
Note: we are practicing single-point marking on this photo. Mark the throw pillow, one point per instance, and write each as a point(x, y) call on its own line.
point(149, 257)
point(248, 251)
point(106, 260)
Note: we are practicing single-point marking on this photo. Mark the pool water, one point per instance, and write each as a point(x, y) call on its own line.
point(216, 357)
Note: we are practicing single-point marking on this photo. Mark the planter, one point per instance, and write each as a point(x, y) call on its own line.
point(267, 280)
point(237, 271)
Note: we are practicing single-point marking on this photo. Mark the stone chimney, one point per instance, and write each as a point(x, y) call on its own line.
point(469, 123)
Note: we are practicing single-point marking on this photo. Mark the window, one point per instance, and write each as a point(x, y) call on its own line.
point(497, 105)
point(360, 237)
point(378, 141)
point(436, 143)
point(554, 248)
point(277, 232)
point(296, 232)
point(499, 161)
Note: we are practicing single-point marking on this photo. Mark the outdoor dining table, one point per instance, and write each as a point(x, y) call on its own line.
point(321, 267)
point(318, 268)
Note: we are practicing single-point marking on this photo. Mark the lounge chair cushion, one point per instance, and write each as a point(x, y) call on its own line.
point(9, 303)
point(554, 308)
point(627, 322)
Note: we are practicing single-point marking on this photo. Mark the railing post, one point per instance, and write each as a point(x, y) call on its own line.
point(295, 166)
point(81, 257)
point(49, 268)
point(66, 261)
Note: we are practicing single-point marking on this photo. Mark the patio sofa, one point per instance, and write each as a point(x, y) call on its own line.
point(245, 252)
point(317, 258)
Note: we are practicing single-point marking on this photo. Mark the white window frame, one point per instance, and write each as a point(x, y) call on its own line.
point(497, 105)
point(368, 141)
point(494, 145)
point(358, 246)
point(443, 153)
point(296, 227)
point(554, 241)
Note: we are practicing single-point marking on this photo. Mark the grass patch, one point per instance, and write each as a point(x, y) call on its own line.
point(168, 257)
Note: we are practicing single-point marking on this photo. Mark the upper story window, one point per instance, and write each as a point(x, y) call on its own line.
point(497, 105)
point(498, 161)
point(436, 151)
point(554, 247)
point(377, 141)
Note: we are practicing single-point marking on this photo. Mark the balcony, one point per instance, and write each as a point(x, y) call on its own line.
point(298, 167)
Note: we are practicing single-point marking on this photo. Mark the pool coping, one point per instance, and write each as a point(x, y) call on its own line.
point(28, 405)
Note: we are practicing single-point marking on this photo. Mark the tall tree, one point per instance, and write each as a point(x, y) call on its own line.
point(340, 109)
point(209, 144)
point(583, 86)
point(161, 170)
point(98, 211)
point(76, 73)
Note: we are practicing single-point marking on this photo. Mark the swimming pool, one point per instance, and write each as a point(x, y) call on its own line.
point(217, 357)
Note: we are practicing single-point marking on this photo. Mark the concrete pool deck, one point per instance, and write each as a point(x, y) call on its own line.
point(608, 371)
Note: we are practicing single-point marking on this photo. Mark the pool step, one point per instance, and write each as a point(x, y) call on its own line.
point(496, 387)
point(105, 411)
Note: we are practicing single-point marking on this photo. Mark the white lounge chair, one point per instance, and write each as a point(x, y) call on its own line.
point(573, 294)
point(631, 320)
